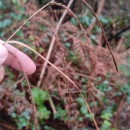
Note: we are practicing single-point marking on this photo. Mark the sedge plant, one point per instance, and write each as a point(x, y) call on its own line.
point(9, 41)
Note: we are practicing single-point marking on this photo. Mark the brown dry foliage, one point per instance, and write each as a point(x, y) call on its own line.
point(53, 81)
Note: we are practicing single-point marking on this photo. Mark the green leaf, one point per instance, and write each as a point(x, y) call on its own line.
point(61, 114)
point(126, 88)
point(74, 21)
point(80, 101)
point(43, 113)
point(106, 125)
point(20, 33)
point(104, 20)
point(39, 96)
point(5, 23)
point(67, 45)
point(85, 20)
point(106, 116)
point(84, 110)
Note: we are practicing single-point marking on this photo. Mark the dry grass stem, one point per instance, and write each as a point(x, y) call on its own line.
point(90, 54)
point(24, 45)
point(30, 96)
point(104, 34)
point(100, 7)
point(52, 43)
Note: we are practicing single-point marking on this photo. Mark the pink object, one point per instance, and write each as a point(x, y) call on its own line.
point(15, 58)
point(3, 54)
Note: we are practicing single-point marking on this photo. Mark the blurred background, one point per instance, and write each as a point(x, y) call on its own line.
point(107, 91)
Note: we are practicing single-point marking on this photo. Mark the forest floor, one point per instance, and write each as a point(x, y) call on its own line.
point(85, 60)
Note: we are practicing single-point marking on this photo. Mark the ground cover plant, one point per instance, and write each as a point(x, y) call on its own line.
point(77, 86)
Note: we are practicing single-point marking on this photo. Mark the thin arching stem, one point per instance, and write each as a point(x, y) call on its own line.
point(104, 34)
point(24, 45)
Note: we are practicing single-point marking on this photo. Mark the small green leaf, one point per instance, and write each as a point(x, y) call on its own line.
point(5, 23)
point(80, 101)
point(67, 45)
point(43, 113)
point(106, 116)
point(106, 125)
point(39, 96)
point(61, 114)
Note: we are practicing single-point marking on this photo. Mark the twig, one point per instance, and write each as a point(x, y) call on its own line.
point(104, 34)
point(52, 105)
point(52, 44)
